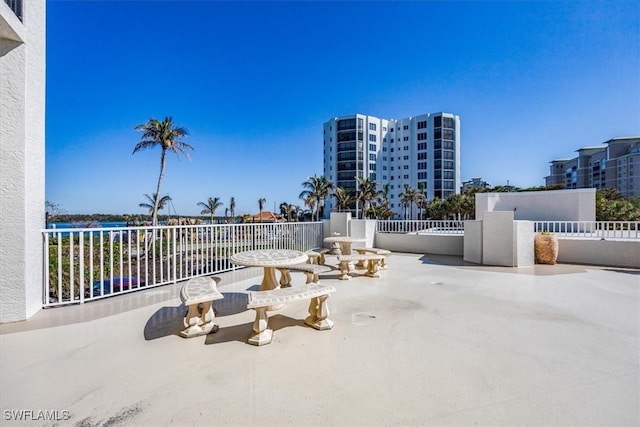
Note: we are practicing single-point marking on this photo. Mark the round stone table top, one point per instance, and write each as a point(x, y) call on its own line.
point(268, 257)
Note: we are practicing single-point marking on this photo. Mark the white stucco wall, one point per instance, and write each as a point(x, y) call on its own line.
point(22, 96)
point(363, 228)
point(612, 253)
point(435, 244)
point(559, 205)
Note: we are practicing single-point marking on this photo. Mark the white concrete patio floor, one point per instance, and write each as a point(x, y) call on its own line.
point(432, 342)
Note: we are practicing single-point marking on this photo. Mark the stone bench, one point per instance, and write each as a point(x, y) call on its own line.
point(373, 262)
point(376, 251)
point(312, 271)
point(198, 294)
point(260, 301)
point(316, 255)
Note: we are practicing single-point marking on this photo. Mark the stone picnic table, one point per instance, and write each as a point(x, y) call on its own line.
point(270, 260)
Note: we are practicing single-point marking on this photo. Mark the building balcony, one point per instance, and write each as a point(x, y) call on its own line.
point(11, 26)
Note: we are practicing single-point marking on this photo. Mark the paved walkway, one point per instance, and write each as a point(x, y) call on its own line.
point(432, 342)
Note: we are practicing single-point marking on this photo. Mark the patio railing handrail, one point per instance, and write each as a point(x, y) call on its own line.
point(621, 230)
point(84, 264)
point(420, 226)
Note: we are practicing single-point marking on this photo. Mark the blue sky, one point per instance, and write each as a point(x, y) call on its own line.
point(254, 82)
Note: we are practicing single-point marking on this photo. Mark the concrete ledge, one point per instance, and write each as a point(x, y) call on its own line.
point(443, 244)
point(611, 253)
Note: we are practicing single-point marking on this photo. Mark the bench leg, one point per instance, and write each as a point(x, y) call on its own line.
point(372, 270)
point(313, 259)
point(199, 320)
point(321, 259)
point(261, 333)
point(309, 276)
point(285, 278)
point(344, 270)
point(319, 313)
point(383, 263)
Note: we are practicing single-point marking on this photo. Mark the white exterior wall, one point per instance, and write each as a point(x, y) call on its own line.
point(22, 96)
point(558, 205)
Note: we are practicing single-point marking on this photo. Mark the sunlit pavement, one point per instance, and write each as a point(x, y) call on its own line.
point(431, 342)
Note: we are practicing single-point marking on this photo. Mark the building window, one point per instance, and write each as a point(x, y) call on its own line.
point(384, 128)
point(422, 125)
point(372, 147)
point(422, 156)
point(373, 176)
point(372, 138)
point(405, 127)
point(437, 121)
point(405, 167)
point(406, 138)
point(422, 136)
point(372, 166)
point(406, 177)
point(384, 177)
point(406, 148)
point(372, 126)
point(384, 168)
point(391, 167)
point(406, 157)
point(447, 122)
point(422, 146)
point(392, 149)
point(422, 165)
point(384, 148)
point(391, 139)
point(447, 134)
point(422, 175)
point(372, 157)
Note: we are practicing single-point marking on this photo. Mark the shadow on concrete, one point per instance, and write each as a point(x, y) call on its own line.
point(168, 321)
point(623, 271)
point(242, 332)
point(532, 270)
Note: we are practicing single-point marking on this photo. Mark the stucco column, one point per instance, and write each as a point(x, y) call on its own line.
point(22, 97)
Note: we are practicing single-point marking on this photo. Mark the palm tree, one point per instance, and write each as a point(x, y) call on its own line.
point(261, 203)
point(367, 193)
point(155, 204)
point(409, 196)
point(232, 208)
point(286, 209)
point(210, 206)
point(436, 209)
point(344, 198)
point(454, 206)
point(311, 202)
point(318, 187)
point(168, 136)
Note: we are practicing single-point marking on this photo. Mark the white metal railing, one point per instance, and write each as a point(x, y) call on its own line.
point(591, 229)
point(84, 264)
point(420, 226)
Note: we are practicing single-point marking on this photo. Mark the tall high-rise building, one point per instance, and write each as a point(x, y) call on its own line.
point(609, 165)
point(422, 152)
